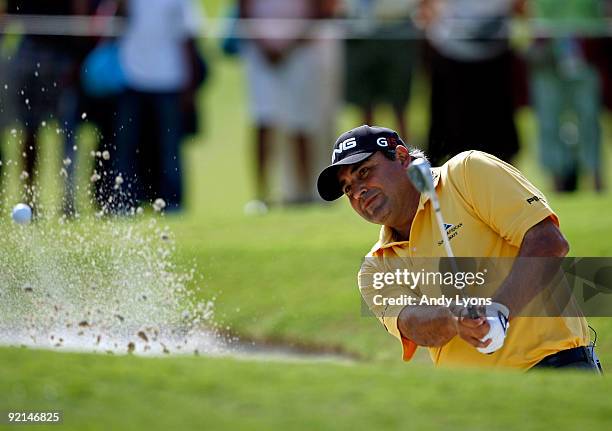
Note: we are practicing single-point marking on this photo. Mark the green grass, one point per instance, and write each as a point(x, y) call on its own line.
point(291, 277)
point(302, 284)
point(102, 392)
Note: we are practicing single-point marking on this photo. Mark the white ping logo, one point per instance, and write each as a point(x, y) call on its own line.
point(344, 145)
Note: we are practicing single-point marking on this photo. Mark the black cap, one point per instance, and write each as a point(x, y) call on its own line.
point(352, 147)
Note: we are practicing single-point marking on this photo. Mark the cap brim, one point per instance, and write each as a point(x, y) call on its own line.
point(328, 185)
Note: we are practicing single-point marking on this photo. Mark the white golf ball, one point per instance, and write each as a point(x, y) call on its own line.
point(22, 214)
point(255, 207)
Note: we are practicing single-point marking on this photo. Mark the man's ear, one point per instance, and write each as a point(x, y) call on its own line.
point(402, 154)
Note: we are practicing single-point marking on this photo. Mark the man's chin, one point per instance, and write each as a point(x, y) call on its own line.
point(377, 215)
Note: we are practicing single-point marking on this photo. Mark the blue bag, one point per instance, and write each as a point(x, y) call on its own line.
point(101, 72)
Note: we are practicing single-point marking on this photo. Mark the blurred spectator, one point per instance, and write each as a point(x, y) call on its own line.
point(230, 40)
point(286, 66)
point(100, 112)
point(7, 114)
point(159, 58)
point(605, 59)
point(380, 56)
point(84, 109)
point(7, 104)
point(44, 73)
point(471, 77)
point(566, 90)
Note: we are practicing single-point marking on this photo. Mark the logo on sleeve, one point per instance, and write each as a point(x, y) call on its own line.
point(533, 199)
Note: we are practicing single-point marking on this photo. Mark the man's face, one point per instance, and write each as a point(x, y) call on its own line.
point(378, 188)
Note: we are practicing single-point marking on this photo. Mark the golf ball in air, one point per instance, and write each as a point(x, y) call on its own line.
point(22, 214)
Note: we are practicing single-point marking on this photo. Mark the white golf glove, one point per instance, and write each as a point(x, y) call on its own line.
point(497, 316)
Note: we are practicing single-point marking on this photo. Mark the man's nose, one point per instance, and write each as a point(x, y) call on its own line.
point(360, 190)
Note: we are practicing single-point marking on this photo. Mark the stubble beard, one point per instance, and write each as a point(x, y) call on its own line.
point(379, 213)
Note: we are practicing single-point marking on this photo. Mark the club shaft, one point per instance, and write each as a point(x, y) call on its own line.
point(472, 311)
point(440, 220)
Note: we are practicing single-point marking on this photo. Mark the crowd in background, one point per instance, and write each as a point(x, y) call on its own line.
point(139, 93)
point(302, 59)
point(479, 72)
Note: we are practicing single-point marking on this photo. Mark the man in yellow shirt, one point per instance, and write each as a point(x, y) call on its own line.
point(490, 210)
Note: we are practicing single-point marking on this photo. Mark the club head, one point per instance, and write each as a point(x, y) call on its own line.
point(419, 173)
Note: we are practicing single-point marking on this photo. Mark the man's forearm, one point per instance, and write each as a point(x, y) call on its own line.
point(426, 325)
point(526, 280)
point(536, 265)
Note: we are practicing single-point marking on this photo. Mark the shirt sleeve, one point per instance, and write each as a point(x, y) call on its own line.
point(500, 195)
point(386, 314)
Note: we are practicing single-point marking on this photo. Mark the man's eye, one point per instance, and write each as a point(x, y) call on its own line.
point(363, 172)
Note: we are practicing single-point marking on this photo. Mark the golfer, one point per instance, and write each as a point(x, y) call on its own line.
point(491, 211)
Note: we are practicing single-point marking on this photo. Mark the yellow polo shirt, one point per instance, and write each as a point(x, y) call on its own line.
point(489, 206)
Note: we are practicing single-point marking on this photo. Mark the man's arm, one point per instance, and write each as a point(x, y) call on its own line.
point(245, 12)
point(435, 326)
point(529, 276)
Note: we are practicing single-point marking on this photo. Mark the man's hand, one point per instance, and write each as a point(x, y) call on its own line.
point(473, 331)
point(427, 326)
point(435, 326)
point(427, 13)
point(488, 332)
point(497, 317)
point(273, 55)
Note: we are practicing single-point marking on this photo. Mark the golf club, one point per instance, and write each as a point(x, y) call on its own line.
point(419, 173)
